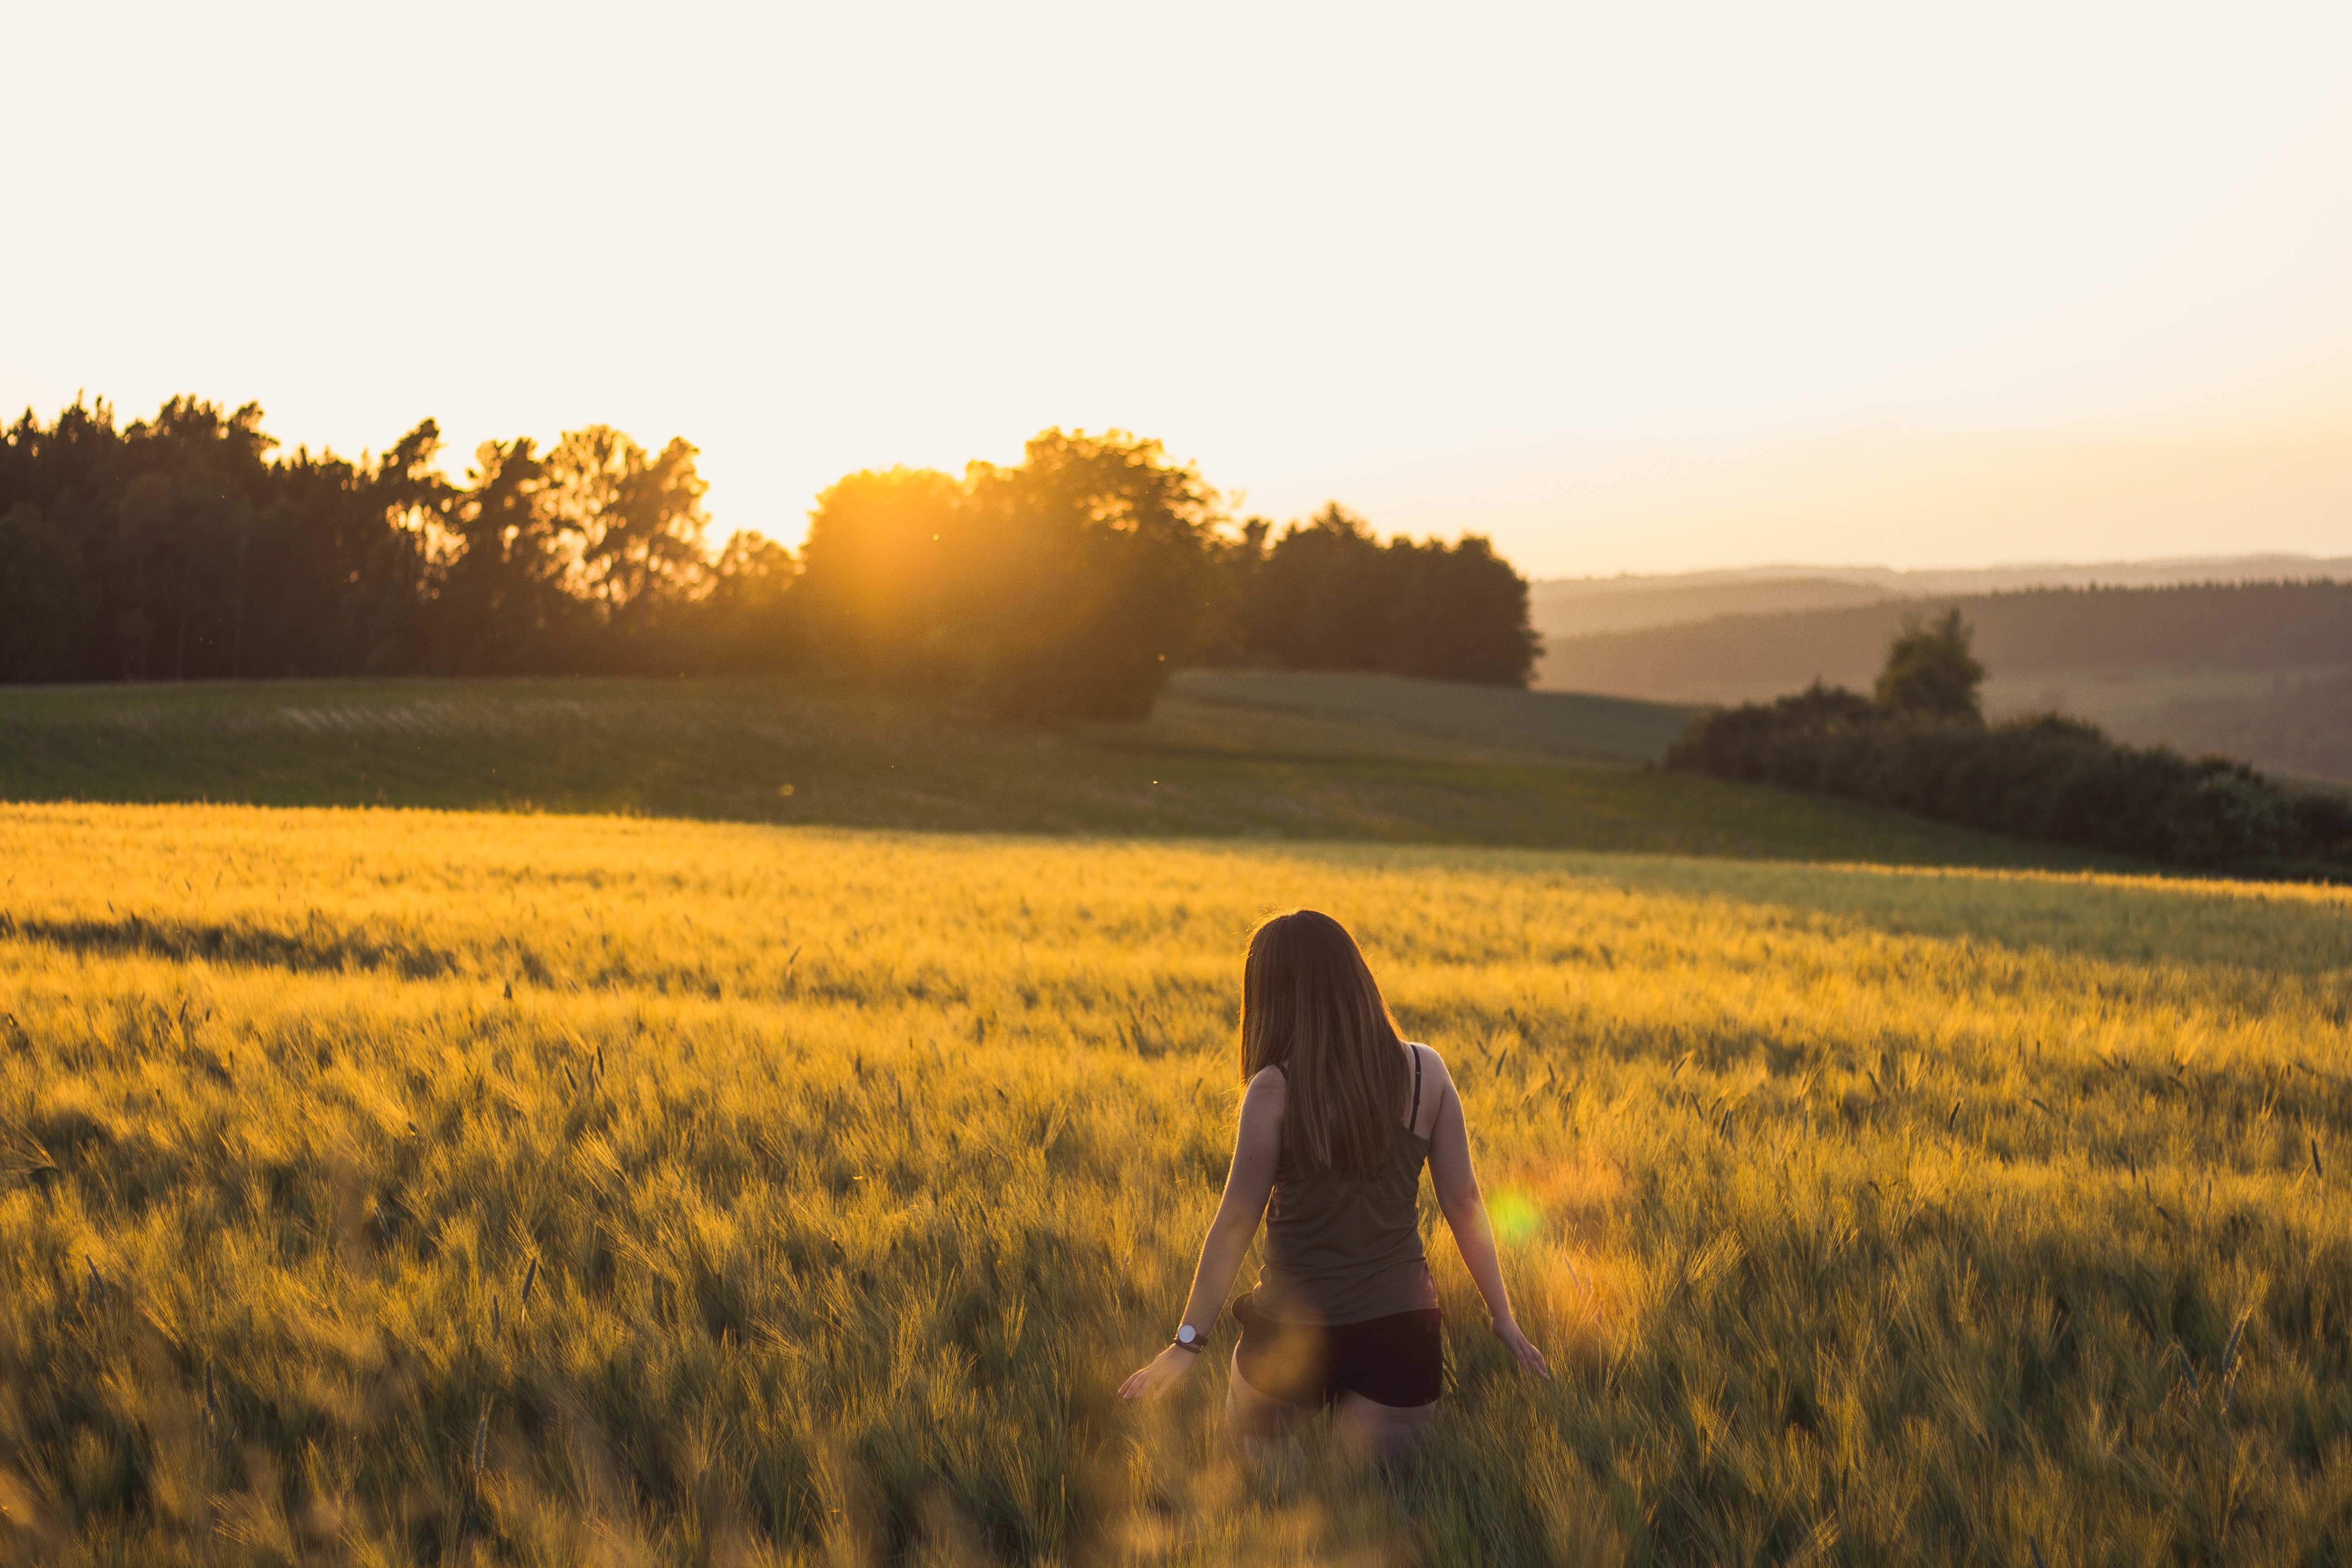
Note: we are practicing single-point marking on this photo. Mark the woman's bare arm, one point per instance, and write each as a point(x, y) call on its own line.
point(1257, 1148)
point(1464, 1208)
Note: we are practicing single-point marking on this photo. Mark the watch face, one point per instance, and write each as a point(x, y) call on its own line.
point(1186, 1336)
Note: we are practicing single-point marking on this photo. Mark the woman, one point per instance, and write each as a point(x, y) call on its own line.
point(1339, 1114)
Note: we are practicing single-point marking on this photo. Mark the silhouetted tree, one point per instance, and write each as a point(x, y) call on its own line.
point(750, 619)
point(1931, 670)
point(1323, 598)
point(1067, 586)
point(1327, 594)
point(501, 605)
point(392, 613)
point(47, 602)
point(1091, 575)
point(1462, 614)
point(880, 573)
point(635, 524)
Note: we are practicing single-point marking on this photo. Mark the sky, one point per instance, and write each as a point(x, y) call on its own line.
point(1628, 287)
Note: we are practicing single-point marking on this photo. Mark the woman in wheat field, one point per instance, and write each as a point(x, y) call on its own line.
point(1340, 1115)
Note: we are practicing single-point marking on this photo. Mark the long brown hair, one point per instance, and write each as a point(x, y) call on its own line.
point(1310, 1004)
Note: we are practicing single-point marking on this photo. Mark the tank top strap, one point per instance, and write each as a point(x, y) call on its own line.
point(1413, 1120)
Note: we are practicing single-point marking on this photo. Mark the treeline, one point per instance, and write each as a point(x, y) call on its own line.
point(1920, 743)
point(1068, 586)
point(2214, 626)
point(180, 548)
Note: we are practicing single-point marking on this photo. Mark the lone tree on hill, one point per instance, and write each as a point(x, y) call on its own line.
point(1930, 671)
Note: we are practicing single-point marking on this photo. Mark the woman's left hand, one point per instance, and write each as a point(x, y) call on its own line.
point(1530, 1357)
point(1161, 1376)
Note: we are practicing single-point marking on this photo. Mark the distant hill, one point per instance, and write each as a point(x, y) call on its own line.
point(1580, 607)
point(1567, 607)
point(2258, 670)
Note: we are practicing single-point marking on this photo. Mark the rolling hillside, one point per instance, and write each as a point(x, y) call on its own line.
point(1565, 607)
point(1281, 757)
point(1585, 607)
point(2258, 670)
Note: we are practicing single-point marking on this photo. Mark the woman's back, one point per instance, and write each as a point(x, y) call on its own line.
point(1346, 1248)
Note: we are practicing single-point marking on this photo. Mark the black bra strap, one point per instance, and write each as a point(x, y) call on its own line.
point(1416, 1116)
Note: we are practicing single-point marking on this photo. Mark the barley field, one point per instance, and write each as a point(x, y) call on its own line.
point(401, 1186)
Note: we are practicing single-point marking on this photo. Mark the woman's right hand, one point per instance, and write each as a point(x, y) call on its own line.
point(1156, 1379)
point(1531, 1358)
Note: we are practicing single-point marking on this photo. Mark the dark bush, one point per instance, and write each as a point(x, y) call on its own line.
point(2046, 776)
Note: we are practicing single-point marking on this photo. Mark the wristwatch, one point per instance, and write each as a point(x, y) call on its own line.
point(1189, 1338)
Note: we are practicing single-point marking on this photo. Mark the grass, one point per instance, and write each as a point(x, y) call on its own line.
point(398, 1186)
point(1227, 754)
point(1555, 723)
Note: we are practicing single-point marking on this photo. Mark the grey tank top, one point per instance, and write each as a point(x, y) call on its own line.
point(1345, 1249)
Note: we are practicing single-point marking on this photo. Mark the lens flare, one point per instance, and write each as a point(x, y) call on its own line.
point(1515, 1216)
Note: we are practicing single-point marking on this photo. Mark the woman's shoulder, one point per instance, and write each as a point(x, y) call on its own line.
point(1435, 1081)
point(1266, 1103)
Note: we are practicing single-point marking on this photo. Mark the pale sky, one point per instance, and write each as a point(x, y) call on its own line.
point(1630, 286)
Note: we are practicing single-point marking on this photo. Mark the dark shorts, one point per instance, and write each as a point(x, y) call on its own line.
point(1399, 1360)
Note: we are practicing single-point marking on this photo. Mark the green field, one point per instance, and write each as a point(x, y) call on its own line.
point(1551, 723)
point(403, 1187)
point(1323, 756)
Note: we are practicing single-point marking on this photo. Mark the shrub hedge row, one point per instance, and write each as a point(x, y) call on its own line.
point(2047, 776)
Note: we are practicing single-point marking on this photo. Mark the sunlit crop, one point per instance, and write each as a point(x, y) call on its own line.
point(385, 1185)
